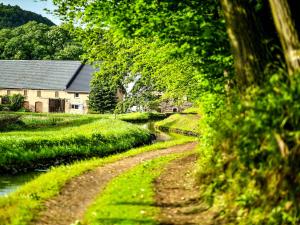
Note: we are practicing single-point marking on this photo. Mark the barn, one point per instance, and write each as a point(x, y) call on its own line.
point(48, 85)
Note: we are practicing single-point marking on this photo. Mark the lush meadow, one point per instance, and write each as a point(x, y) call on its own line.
point(184, 123)
point(43, 140)
point(23, 205)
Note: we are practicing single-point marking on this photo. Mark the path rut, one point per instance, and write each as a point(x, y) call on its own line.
point(70, 205)
point(178, 196)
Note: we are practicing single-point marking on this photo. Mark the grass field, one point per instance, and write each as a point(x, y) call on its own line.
point(185, 123)
point(129, 199)
point(21, 206)
point(141, 117)
point(43, 140)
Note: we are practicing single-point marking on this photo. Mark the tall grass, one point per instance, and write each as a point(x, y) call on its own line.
point(31, 149)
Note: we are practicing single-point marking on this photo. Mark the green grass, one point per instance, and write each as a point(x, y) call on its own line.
point(139, 117)
point(49, 120)
point(20, 207)
point(182, 123)
point(32, 148)
point(130, 198)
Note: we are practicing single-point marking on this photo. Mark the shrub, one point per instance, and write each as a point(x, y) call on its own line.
point(253, 166)
point(7, 121)
point(12, 103)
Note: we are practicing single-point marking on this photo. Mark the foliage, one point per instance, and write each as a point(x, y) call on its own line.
point(103, 95)
point(24, 205)
point(167, 60)
point(7, 120)
point(250, 132)
point(16, 102)
point(29, 149)
point(13, 102)
point(143, 67)
point(14, 16)
point(35, 41)
point(257, 172)
point(130, 198)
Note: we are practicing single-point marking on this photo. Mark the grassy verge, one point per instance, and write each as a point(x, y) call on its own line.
point(186, 123)
point(20, 207)
point(45, 120)
point(129, 199)
point(42, 147)
point(141, 117)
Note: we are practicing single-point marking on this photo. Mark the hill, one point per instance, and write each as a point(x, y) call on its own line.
point(14, 16)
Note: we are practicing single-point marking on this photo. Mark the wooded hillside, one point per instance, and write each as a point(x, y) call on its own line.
point(14, 16)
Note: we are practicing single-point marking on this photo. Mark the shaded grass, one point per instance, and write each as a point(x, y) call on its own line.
point(181, 123)
point(129, 198)
point(139, 117)
point(20, 207)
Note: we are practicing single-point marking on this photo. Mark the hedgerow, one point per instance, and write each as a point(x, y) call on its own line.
point(251, 170)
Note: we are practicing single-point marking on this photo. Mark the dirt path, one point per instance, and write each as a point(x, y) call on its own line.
point(178, 195)
point(80, 192)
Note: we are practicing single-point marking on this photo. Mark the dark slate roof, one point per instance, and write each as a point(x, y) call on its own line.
point(44, 74)
point(81, 81)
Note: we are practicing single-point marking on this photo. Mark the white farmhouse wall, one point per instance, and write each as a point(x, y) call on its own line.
point(70, 99)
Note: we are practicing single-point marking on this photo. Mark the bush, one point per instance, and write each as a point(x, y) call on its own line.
point(7, 121)
point(254, 163)
point(12, 103)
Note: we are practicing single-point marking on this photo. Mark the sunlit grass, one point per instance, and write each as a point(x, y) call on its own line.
point(20, 207)
point(180, 122)
point(129, 198)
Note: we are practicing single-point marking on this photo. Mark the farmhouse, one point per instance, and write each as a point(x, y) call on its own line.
point(48, 85)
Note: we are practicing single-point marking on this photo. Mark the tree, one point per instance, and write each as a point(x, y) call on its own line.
point(34, 41)
point(250, 132)
point(193, 31)
point(245, 35)
point(14, 16)
point(287, 32)
point(102, 97)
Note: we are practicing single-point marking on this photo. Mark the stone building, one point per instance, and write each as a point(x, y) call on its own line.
point(173, 106)
point(48, 85)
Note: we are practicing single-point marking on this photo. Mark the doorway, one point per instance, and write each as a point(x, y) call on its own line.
point(56, 105)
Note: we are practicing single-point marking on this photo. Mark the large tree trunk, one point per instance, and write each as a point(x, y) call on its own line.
point(250, 54)
point(287, 33)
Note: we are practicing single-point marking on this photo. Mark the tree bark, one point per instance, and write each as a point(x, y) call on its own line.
point(244, 30)
point(287, 32)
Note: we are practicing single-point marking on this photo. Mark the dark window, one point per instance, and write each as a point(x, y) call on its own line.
point(76, 95)
point(39, 94)
point(75, 106)
point(25, 93)
point(8, 92)
point(56, 94)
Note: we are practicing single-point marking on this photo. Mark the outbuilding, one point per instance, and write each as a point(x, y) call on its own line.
point(48, 85)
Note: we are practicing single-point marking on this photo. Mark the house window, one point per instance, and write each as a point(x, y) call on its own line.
point(74, 106)
point(8, 92)
point(76, 95)
point(25, 93)
point(39, 94)
point(56, 94)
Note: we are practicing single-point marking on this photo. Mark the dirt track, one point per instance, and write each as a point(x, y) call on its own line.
point(80, 192)
point(177, 194)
